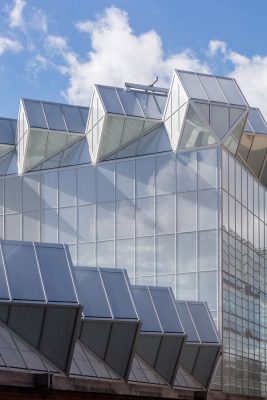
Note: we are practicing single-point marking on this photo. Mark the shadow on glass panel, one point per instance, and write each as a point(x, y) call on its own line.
point(161, 337)
point(202, 349)
point(34, 304)
point(110, 324)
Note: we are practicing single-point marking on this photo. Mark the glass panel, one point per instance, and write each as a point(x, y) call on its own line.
point(145, 310)
point(105, 254)
point(207, 169)
point(110, 99)
point(56, 142)
point(149, 105)
point(187, 321)
point(31, 193)
point(67, 225)
point(145, 218)
point(31, 226)
point(186, 287)
point(130, 103)
point(212, 88)
point(203, 323)
point(36, 148)
point(131, 130)
point(165, 214)
point(231, 91)
point(208, 258)
point(54, 116)
point(86, 223)
point(13, 226)
point(256, 121)
point(105, 182)
point(56, 274)
point(118, 294)
point(145, 178)
point(92, 294)
point(49, 226)
point(208, 288)
point(257, 154)
point(23, 275)
point(192, 85)
point(86, 185)
point(49, 185)
point(163, 301)
point(73, 119)
point(186, 212)
point(13, 195)
point(67, 187)
point(125, 255)
point(187, 171)
point(194, 133)
point(165, 174)
point(207, 209)
point(125, 218)
point(165, 254)
point(219, 120)
point(144, 256)
point(187, 252)
point(124, 180)
point(35, 114)
point(105, 221)
point(86, 255)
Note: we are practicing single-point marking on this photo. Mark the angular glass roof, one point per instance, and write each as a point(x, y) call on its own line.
point(211, 88)
point(135, 103)
point(55, 116)
point(7, 130)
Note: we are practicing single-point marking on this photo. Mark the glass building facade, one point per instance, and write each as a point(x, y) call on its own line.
point(179, 200)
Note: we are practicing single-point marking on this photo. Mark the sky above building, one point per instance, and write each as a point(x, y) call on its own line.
point(57, 50)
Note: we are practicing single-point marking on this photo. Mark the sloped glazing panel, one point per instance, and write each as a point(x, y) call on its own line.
point(231, 91)
point(36, 149)
point(257, 121)
point(163, 301)
point(22, 270)
point(232, 141)
point(91, 293)
point(56, 273)
point(212, 88)
point(194, 133)
point(118, 294)
point(54, 117)
point(192, 85)
point(145, 309)
point(187, 322)
point(130, 103)
point(73, 118)
point(55, 143)
point(219, 120)
point(149, 105)
point(110, 99)
point(111, 135)
point(203, 323)
point(244, 146)
point(257, 153)
point(7, 132)
point(35, 114)
point(132, 129)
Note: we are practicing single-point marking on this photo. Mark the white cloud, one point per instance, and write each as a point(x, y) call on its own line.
point(7, 44)
point(216, 46)
point(38, 20)
point(119, 55)
point(56, 43)
point(16, 19)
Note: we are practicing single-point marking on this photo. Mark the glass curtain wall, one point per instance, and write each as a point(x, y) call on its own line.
point(243, 238)
point(155, 215)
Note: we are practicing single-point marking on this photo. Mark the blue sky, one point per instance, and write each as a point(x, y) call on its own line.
point(57, 49)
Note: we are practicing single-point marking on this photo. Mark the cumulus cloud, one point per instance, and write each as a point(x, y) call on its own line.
point(216, 46)
point(56, 44)
point(16, 19)
point(7, 44)
point(119, 55)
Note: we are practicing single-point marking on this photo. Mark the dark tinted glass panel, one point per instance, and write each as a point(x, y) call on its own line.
point(203, 322)
point(145, 309)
